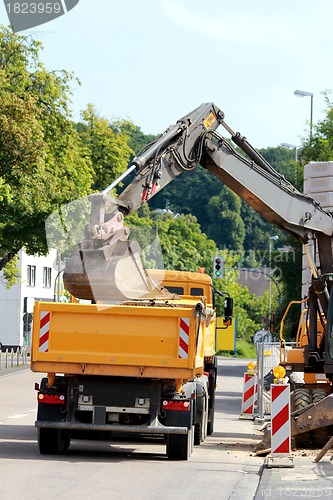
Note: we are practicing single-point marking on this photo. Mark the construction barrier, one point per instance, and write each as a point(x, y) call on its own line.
point(268, 356)
point(280, 412)
point(249, 395)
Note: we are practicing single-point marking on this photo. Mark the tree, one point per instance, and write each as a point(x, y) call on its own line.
point(189, 193)
point(41, 159)
point(249, 309)
point(320, 147)
point(137, 139)
point(106, 145)
point(288, 271)
point(182, 244)
point(226, 226)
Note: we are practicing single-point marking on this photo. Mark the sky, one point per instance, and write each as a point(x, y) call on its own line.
point(153, 61)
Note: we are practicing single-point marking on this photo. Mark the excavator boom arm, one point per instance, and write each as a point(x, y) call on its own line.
point(192, 141)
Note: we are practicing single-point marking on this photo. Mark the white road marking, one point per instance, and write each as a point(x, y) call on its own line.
point(18, 415)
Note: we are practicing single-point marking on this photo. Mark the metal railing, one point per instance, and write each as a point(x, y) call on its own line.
point(268, 357)
point(11, 358)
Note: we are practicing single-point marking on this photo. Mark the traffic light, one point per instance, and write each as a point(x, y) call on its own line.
point(218, 266)
point(27, 320)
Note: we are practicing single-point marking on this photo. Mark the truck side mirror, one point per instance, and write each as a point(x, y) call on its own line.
point(228, 310)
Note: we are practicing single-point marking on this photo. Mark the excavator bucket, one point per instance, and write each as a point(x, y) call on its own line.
point(111, 273)
point(105, 266)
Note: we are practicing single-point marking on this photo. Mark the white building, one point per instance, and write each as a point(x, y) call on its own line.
point(38, 275)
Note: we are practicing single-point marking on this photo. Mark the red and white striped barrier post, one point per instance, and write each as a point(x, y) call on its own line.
point(280, 412)
point(249, 395)
point(280, 424)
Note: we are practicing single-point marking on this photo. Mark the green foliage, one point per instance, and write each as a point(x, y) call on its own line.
point(248, 309)
point(320, 148)
point(244, 349)
point(226, 226)
point(288, 272)
point(106, 146)
point(41, 162)
point(137, 139)
point(11, 272)
point(257, 231)
point(189, 193)
point(181, 242)
point(283, 160)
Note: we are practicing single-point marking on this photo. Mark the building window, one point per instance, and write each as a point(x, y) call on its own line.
point(47, 277)
point(31, 275)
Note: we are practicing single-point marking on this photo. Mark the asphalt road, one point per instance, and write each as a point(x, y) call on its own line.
point(223, 467)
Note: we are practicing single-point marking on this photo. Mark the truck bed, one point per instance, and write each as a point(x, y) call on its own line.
point(153, 341)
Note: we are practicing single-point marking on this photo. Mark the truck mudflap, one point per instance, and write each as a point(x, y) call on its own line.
point(139, 429)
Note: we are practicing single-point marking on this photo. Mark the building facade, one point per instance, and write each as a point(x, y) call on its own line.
point(37, 282)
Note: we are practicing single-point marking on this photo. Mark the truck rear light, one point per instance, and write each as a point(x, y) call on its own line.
point(176, 405)
point(53, 399)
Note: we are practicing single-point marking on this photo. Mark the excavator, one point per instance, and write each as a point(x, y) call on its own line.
point(106, 265)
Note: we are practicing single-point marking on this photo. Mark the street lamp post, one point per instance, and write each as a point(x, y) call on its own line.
point(304, 93)
point(271, 238)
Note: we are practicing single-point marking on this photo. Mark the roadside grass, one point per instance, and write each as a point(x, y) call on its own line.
point(244, 349)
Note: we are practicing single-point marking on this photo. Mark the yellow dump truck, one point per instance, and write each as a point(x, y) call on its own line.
point(139, 367)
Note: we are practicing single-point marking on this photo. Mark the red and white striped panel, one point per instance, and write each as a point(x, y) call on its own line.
point(249, 394)
point(44, 331)
point(184, 332)
point(280, 412)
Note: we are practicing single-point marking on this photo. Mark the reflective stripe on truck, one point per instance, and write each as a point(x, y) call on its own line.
point(44, 331)
point(184, 331)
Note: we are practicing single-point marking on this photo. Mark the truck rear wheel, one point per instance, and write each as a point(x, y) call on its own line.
point(198, 433)
point(180, 446)
point(53, 441)
point(210, 423)
point(212, 370)
point(200, 428)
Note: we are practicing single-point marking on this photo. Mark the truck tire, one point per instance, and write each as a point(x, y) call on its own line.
point(200, 428)
point(198, 434)
point(180, 446)
point(210, 423)
point(321, 435)
point(212, 369)
point(201, 410)
point(205, 419)
point(53, 441)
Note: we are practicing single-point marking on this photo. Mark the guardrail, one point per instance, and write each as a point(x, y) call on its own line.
point(11, 358)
